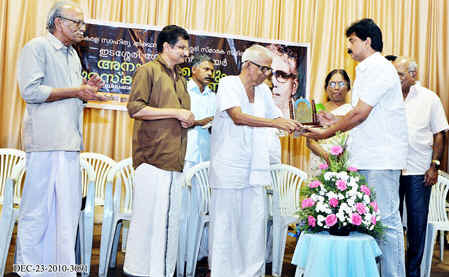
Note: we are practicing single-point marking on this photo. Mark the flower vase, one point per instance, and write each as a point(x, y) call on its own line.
point(339, 231)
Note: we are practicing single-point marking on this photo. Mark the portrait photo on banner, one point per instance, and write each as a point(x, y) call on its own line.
point(115, 51)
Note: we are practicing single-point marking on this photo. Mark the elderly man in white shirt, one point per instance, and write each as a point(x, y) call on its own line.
point(427, 125)
point(50, 82)
point(378, 141)
point(240, 167)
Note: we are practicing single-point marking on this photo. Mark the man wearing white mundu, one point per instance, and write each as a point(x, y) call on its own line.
point(160, 106)
point(240, 167)
point(50, 82)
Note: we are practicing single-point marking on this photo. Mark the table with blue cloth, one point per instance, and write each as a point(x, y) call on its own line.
point(325, 255)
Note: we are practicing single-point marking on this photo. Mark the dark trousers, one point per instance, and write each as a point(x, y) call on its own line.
point(417, 197)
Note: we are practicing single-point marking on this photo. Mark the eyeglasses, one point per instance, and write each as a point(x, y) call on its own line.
point(340, 84)
point(265, 69)
point(79, 23)
point(282, 77)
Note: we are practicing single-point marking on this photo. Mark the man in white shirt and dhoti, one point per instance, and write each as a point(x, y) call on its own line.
point(240, 167)
point(50, 82)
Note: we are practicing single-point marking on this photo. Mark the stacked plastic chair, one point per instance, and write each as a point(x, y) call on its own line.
point(114, 214)
point(10, 213)
point(8, 159)
point(286, 184)
point(437, 221)
point(197, 176)
point(86, 220)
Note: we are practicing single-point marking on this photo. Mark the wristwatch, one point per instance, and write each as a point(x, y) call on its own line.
point(436, 163)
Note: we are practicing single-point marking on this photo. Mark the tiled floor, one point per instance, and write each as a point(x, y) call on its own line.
point(439, 269)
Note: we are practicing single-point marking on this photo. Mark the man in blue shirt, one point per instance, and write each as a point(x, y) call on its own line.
point(202, 101)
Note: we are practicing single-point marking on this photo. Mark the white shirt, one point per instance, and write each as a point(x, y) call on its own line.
point(380, 141)
point(239, 154)
point(425, 117)
point(202, 105)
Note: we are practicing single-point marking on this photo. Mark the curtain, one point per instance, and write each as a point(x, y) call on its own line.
point(414, 28)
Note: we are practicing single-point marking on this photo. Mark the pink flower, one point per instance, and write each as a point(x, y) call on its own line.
point(308, 202)
point(352, 168)
point(365, 189)
point(314, 184)
point(336, 150)
point(373, 220)
point(311, 221)
point(374, 205)
point(356, 219)
point(341, 185)
point(333, 202)
point(331, 220)
point(323, 166)
point(361, 208)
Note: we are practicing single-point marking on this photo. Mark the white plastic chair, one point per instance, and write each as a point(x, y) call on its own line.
point(86, 220)
point(101, 165)
point(10, 213)
point(437, 221)
point(199, 173)
point(114, 214)
point(8, 159)
point(286, 184)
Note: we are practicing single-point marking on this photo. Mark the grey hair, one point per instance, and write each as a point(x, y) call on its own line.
point(198, 59)
point(412, 66)
point(251, 53)
point(55, 12)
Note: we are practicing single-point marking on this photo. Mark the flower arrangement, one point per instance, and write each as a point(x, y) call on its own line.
point(338, 200)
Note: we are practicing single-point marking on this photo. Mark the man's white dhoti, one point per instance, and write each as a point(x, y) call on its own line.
point(154, 228)
point(49, 210)
point(237, 234)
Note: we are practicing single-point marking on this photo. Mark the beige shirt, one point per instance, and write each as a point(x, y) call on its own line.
point(45, 63)
point(162, 142)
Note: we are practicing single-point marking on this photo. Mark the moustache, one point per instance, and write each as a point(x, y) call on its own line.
point(349, 51)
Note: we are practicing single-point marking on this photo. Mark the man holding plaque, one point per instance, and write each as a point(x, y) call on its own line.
point(378, 141)
point(240, 165)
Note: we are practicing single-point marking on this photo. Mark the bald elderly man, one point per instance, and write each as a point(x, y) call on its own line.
point(427, 125)
point(240, 166)
point(50, 82)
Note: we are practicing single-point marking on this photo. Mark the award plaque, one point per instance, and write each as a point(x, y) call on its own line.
point(306, 112)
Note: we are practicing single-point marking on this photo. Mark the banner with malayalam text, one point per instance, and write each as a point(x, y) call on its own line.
point(115, 50)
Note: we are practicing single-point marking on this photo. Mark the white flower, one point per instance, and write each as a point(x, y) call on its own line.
point(351, 201)
point(366, 199)
point(328, 176)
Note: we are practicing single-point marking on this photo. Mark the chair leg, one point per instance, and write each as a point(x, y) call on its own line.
point(193, 261)
point(279, 239)
point(115, 240)
point(441, 245)
point(87, 237)
point(6, 227)
point(125, 228)
point(183, 233)
point(426, 263)
point(107, 236)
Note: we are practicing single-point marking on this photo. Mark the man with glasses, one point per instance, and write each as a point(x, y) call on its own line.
point(239, 167)
point(285, 78)
point(160, 106)
point(50, 82)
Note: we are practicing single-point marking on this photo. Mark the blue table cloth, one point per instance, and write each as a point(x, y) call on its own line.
point(324, 255)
